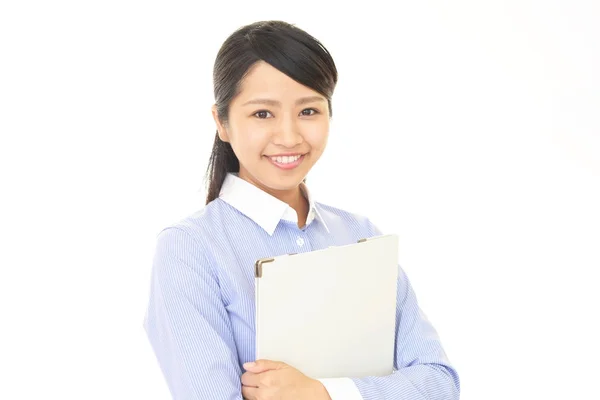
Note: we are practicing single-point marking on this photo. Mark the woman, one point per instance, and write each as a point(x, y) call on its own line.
point(273, 85)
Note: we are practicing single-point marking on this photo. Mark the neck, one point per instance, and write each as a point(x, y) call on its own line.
point(293, 197)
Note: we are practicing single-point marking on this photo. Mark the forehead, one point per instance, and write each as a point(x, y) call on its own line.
point(264, 79)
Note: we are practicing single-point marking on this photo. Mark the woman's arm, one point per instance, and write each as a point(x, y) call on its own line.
point(187, 323)
point(423, 371)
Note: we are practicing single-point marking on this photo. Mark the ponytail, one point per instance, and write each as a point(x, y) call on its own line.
point(222, 161)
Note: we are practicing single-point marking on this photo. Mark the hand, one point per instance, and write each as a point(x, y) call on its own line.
point(275, 380)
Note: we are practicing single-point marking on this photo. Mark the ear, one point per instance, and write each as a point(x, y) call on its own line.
point(220, 127)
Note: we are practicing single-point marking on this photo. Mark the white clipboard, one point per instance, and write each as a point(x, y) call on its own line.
point(330, 313)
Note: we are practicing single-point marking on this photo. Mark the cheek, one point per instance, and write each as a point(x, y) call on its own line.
point(248, 141)
point(317, 137)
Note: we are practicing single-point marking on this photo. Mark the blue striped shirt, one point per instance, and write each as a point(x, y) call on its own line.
point(201, 311)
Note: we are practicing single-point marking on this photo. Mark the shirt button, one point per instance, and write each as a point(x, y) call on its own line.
point(300, 241)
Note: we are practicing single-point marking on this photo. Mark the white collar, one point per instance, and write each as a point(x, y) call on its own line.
point(264, 209)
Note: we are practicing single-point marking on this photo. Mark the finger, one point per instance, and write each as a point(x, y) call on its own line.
point(250, 393)
point(263, 365)
point(250, 379)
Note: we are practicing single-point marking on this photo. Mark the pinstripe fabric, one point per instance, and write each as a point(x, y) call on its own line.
point(200, 317)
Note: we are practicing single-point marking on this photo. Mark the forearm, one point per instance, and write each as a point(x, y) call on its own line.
point(418, 382)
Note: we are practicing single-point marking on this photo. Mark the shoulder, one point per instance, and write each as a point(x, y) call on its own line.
point(195, 229)
point(354, 220)
point(184, 246)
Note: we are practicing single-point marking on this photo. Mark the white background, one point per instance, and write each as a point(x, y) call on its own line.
point(470, 128)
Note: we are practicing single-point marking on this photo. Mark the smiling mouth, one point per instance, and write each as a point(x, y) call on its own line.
point(286, 159)
point(286, 162)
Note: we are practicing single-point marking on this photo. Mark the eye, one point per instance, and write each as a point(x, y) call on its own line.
point(262, 114)
point(309, 113)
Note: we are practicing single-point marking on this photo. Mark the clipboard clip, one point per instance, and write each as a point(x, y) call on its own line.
point(258, 266)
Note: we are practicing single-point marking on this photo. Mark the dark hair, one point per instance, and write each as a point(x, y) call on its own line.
point(280, 44)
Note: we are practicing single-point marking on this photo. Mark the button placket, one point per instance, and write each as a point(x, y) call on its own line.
point(299, 240)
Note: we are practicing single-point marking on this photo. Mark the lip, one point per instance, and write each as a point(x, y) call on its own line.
point(287, 166)
point(286, 154)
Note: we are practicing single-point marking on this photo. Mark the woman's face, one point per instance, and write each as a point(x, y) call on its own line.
point(277, 128)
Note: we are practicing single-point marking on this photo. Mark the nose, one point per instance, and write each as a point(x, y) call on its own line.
point(287, 133)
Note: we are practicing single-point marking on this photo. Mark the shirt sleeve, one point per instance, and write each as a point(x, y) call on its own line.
point(421, 369)
point(187, 323)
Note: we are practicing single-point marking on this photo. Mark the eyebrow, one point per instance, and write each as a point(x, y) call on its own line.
point(271, 102)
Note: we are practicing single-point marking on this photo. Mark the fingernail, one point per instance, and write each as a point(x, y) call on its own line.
point(249, 364)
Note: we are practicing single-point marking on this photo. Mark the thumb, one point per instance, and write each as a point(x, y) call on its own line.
point(263, 365)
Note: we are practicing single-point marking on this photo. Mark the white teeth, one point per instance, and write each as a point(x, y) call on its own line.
point(285, 159)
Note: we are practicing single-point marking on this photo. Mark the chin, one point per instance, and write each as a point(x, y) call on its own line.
point(284, 185)
point(282, 182)
point(269, 177)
